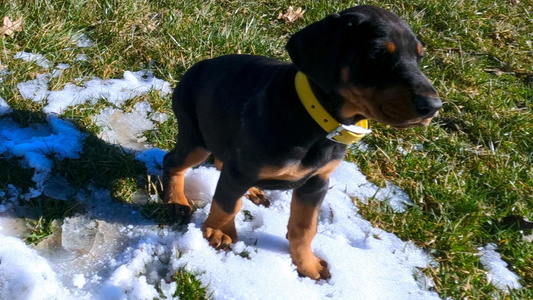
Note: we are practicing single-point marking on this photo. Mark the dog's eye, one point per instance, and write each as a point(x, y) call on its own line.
point(383, 51)
point(378, 54)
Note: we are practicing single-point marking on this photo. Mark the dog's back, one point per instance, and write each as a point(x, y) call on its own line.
point(224, 92)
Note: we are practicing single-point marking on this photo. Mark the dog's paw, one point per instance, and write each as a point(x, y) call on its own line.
point(314, 268)
point(178, 213)
point(257, 196)
point(217, 238)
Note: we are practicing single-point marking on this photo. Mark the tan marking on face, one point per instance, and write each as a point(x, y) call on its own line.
point(390, 47)
point(357, 101)
point(393, 106)
point(397, 106)
point(420, 49)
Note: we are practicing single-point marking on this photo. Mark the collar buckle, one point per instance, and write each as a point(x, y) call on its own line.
point(348, 132)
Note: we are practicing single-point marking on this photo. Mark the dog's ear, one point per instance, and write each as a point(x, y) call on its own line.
point(315, 50)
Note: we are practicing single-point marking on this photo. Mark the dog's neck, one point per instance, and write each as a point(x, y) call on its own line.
point(333, 103)
point(344, 132)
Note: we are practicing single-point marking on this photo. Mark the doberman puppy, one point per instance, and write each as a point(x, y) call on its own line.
point(264, 130)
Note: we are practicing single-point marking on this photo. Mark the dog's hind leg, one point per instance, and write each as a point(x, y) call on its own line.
point(257, 196)
point(175, 165)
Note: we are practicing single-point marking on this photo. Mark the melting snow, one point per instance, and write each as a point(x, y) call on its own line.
point(39, 59)
point(24, 274)
point(4, 107)
point(82, 40)
point(115, 91)
point(38, 144)
point(36, 89)
point(111, 252)
point(125, 129)
point(497, 272)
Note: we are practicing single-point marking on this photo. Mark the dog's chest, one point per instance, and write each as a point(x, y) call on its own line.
point(294, 173)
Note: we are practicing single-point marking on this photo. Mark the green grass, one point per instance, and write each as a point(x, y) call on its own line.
point(188, 286)
point(470, 168)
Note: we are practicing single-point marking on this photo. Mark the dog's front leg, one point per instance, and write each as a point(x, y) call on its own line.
point(302, 227)
point(219, 227)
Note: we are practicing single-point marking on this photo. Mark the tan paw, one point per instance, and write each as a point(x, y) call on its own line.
point(257, 196)
point(314, 268)
point(217, 238)
point(219, 227)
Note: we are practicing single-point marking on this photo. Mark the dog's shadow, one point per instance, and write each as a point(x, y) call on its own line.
point(268, 242)
point(105, 181)
point(94, 184)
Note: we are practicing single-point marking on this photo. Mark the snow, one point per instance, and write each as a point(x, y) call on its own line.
point(36, 89)
point(39, 144)
point(81, 57)
point(125, 129)
point(115, 91)
point(111, 252)
point(4, 107)
point(153, 160)
point(39, 59)
point(24, 274)
point(497, 272)
point(366, 263)
point(82, 40)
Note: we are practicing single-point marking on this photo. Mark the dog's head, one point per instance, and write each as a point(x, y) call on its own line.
point(369, 57)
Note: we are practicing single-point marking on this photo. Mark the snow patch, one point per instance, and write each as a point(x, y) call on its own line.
point(125, 129)
point(4, 107)
point(39, 59)
point(24, 274)
point(497, 272)
point(92, 257)
point(153, 160)
point(39, 144)
point(115, 91)
point(82, 40)
point(35, 90)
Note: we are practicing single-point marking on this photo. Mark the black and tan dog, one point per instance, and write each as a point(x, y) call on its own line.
point(277, 125)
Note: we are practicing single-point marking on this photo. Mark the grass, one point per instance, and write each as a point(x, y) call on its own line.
point(188, 286)
point(468, 170)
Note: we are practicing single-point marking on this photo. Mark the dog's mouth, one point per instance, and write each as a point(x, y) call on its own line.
point(402, 116)
point(413, 123)
point(394, 107)
point(396, 119)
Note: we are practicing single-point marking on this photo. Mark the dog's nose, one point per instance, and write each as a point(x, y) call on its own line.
point(427, 107)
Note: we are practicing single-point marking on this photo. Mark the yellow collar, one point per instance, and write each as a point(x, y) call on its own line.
point(341, 133)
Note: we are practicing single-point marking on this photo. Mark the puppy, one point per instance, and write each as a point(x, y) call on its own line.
point(278, 125)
